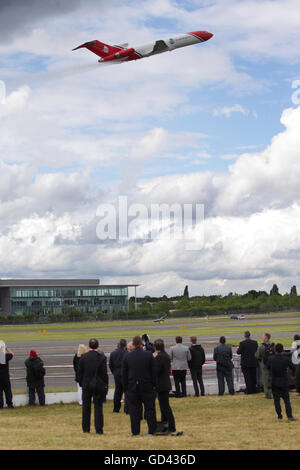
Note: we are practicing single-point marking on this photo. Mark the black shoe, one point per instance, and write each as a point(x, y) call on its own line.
point(279, 417)
point(292, 419)
point(99, 432)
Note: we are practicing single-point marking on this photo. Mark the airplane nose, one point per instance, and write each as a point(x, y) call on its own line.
point(204, 35)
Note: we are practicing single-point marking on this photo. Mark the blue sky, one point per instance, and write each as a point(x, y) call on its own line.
point(212, 124)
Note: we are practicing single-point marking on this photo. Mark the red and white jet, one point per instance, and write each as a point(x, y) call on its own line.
point(122, 53)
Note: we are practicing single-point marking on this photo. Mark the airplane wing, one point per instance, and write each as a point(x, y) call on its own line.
point(122, 46)
point(160, 46)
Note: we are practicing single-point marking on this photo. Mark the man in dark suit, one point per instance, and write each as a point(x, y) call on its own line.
point(224, 365)
point(195, 365)
point(278, 364)
point(138, 375)
point(93, 378)
point(247, 350)
point(115, 365)
point(163, 384)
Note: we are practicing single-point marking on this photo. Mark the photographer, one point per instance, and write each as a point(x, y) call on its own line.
point(5, 356)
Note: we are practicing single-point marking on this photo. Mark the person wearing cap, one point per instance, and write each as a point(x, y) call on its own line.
point(5, 356)
point(35, 378)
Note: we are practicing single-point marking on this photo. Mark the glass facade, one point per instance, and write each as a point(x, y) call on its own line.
point(47, 300)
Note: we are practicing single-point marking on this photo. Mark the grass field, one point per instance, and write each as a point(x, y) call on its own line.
point(210, 423)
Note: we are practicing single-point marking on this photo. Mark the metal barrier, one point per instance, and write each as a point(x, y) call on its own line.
point(59, 376)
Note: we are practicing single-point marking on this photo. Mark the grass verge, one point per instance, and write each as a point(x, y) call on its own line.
point(208, 423)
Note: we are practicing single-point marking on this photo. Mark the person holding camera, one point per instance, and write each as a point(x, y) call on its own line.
point(5, 387)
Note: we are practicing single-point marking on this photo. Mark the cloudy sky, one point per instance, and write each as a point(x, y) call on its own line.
point(216, 125)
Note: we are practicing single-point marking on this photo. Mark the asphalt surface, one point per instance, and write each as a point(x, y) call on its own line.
point(58, 355)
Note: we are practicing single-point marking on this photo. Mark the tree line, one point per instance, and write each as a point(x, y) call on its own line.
point(179, 306)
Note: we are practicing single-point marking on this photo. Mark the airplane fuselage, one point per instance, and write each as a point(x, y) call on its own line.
point(122, 53)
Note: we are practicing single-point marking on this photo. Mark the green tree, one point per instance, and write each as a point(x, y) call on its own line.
point(274, 290)
point(293, 291)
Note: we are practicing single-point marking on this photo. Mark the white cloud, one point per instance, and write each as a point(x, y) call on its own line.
point(229, 110)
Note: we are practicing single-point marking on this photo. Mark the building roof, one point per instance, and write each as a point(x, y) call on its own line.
point(58, 283)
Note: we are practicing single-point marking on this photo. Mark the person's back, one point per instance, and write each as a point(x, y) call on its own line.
point(90, 363)
point(35, 371)
point(224, 366)
point(93, 378)
point(247, 350)
point(163, 368)
point(139, 381)
point(222, 355)
point(279, 365)
point(115, 360)
point(197, 357)
point(180, 355)
point(139, 368)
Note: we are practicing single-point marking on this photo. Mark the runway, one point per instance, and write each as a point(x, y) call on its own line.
point(58, 355)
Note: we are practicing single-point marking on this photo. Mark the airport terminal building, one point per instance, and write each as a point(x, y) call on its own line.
point(47, 296)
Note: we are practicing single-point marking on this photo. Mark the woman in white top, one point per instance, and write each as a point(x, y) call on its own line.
point(296, 342)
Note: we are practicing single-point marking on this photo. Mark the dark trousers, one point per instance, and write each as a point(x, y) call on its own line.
point(40, 392)
point(118, 392)
point(197, 378)
point(180, 384)
point(282, 392)
point(250, 379)
point(222, 375)
point(87, 397)
point(135, 400)
point(297, 378)
point(166, 410)
point(5, 388)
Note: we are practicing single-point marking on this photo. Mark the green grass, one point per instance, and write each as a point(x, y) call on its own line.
point(208, 423)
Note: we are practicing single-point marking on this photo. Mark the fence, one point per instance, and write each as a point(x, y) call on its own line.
point(61, 376)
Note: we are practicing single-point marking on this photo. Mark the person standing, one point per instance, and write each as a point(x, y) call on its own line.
point(279, 364)
point(35, 373)
point(195, 365)
point(163, 384)
point(82, 349)
point(6, 355)
point(296, 342)
point(93, 378)
point(247, 350)
point(180, 356)
point(139, 380)
point(115, 365)
point(223, 357)
point(296, 361)
point(265, 350)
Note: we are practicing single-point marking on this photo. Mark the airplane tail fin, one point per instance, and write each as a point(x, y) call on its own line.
point(99, 48)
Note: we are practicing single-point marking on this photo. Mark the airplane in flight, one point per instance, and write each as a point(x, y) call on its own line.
point(123, 53)
point(161, 319)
